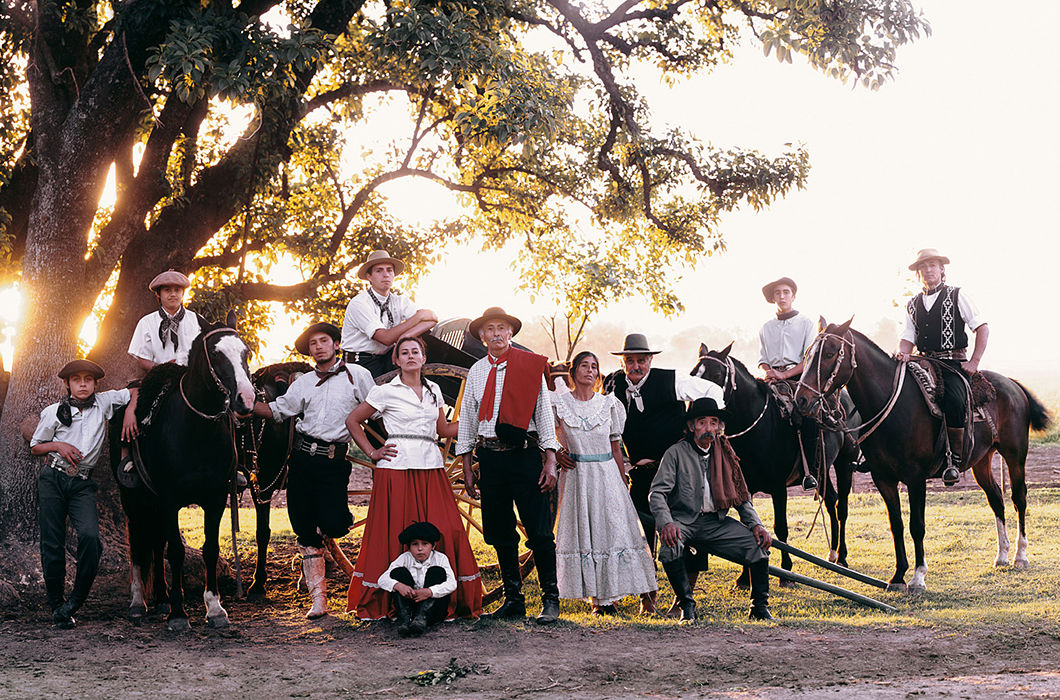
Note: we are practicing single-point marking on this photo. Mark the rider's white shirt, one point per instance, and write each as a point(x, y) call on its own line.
point(324, 408)
point(965, 305)
point(146, 344)
point(784, 342)
point(87, 429)
point(363, 318)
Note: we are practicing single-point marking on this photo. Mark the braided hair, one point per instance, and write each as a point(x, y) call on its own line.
point(423, 349)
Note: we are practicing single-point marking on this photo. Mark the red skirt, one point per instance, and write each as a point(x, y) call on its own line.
point(399, 498)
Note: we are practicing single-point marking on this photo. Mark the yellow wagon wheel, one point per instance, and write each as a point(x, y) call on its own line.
point(470, 508)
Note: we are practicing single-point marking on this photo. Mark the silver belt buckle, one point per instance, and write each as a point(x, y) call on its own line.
point(331, 451)
point(312, 449)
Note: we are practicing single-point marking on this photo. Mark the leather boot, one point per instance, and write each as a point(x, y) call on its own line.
point(678, 576)
point(53, 590)
point(760, 591)
point(952, 473)
point(422, 617)
point(546, 576)
point(404, 608)
point(313, 569)
point(514, 604)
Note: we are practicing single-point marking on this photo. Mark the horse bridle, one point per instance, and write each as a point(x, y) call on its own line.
point(728, 388)
point(217, 380)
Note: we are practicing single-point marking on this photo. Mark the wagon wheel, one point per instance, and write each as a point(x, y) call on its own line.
point(451, 378)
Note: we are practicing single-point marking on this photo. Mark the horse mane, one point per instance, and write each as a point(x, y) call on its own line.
point(268, 373)
point(154, 387)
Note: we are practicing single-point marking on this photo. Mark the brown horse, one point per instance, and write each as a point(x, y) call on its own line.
point(900, 437)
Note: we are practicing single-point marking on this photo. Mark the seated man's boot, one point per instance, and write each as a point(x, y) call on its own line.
point(760, 591)
point(678, 576)
point(546, 576)
point(514, 604)
point(952, 474)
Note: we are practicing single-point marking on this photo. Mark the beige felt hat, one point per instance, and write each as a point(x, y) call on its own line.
point(491, 313)
point(169, 278)
point(375, 258)
point(769, 289)
point(75, 366)
point(301, 344)
point(928, 254)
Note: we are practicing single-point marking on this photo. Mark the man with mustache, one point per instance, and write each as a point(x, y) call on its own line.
point(655, 418)
point(698, 481)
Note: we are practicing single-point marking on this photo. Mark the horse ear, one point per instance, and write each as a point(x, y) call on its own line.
point(846, 326)
point(703, 349)
point(231, 319)
point(822, 323)
point(728, 348)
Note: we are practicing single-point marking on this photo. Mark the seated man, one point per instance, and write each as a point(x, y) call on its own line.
point(935, 322)
point(784, 341)
point(376, 318)
point(698, 481)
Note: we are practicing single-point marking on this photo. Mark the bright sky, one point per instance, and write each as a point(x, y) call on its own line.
point(959, 153)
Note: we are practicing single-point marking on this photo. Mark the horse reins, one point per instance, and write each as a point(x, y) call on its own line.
point(729, 385)
point(216, 379)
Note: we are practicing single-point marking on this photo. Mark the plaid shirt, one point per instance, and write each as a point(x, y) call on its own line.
point(470, 427)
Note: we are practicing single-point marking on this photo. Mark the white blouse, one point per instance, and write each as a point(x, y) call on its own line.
point(411, 424)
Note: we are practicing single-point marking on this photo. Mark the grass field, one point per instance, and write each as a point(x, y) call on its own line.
point(964, 588)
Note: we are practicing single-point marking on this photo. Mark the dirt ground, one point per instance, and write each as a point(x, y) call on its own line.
point(272, 651)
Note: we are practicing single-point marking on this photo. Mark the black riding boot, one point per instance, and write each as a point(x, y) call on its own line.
point(53, 589)
point(678, 576)
point(514, 604)
point(952, 472)
point(422, 617)
point(546, 576)
point(760, 591)
point(404, 608)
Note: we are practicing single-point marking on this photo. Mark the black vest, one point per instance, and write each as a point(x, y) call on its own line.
point(649, 434)
point(941, 328)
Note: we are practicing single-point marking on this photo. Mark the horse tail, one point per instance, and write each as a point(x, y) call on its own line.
point(1039, 414)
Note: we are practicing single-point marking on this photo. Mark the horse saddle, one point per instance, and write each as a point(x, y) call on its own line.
point(931, 386)
point(784, 395)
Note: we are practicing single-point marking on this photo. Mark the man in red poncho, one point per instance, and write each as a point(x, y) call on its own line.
point(506, 418)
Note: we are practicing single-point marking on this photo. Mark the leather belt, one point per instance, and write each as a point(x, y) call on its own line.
point(497, 445)
point(961, 354)
point(61, 465)
point(314, 447)
point(351, 356)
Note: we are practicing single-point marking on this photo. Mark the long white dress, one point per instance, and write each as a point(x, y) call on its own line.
point(601, 552)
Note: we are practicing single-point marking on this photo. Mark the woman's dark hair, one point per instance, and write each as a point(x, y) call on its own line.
point(578, 360)
point(423, 349)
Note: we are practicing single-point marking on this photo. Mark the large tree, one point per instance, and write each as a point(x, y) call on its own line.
point(526, 110)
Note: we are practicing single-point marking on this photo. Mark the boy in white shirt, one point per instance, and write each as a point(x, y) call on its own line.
point(420, 580)
point(72, 432)
point(165, 335)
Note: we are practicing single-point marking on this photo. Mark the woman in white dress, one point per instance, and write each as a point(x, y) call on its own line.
point(601, 551)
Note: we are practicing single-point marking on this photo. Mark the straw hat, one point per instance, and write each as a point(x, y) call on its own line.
point(928, 254)
point(377, 257)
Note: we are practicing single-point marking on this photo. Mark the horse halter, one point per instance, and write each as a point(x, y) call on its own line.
point(217, 380)
point(728, 385)
point(830, 385)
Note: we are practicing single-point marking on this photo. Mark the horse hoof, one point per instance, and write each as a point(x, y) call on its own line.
point(740, 586)
point(1021, 563)
point(897, 588)
point(833, 556)
point(916, 589)
point(136, 614)
point(162, 609)
point(1000, 563)
point(257, 595)
point(218, 622)
point(178, 624)
point(784, 583)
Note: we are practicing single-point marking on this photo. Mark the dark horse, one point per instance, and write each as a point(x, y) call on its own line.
point(900, 437)
point(186, 455)
point(768, 447)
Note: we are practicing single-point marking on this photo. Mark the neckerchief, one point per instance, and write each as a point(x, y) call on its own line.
point(333, 372)
point(64, 412)
point(384, 308)
point(787, 314)
point(633, 392)
point(936, 290)
point(485, 409)
point(169, 326)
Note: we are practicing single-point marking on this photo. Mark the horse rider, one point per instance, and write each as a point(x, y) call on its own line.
point(936, 323)
point(378, 316)
point(783, 342)
point(698, 481)
point(318, 473)
point(507, 420)
point(655, 418)
point(72, 433)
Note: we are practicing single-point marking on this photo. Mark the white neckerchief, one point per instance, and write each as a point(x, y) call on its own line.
point(633, 391)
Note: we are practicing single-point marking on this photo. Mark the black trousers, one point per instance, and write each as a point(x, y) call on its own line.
point(61, 496)
point(640, 479)
point(317, 503)
point(376, 364)
point(954, 394)
point(434, 576)
point(508, 480)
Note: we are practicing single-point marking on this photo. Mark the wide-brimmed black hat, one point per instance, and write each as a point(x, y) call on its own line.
point(301, 344)
point(76, 366)
point(419, 531)
point(636, 344)
point(703, 408)
point(491, 313)
point(767, 291)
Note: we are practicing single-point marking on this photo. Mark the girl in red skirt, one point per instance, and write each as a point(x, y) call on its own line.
point(409, 485)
